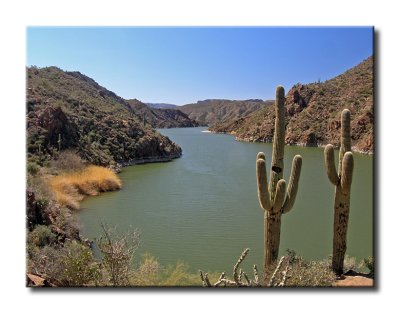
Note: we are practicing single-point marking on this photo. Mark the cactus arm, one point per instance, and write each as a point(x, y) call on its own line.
point(347, 172)
point(330, 164)
point(293, 184)
point(262, 184)
point(279, 196)
point(276, 172)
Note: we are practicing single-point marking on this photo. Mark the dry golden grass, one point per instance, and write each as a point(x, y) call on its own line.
point(70, 188)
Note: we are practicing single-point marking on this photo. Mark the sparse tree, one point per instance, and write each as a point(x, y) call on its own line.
point(118, 252)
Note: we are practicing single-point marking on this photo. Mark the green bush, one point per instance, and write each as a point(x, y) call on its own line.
point(71, 265)
point(79, 267)
point(32, 168)
point(370, 264)
point(41, 236)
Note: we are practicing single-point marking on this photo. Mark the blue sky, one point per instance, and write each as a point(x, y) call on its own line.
point(183, 65)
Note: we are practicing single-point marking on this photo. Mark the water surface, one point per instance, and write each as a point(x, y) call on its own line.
point(203, 208)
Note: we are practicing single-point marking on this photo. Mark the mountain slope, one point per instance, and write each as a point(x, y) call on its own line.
point(69, 110)
point(209, 112)
point(161, 118)
point(313, 112)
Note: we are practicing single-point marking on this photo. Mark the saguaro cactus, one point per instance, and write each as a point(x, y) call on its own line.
point(342, 180)
point(59, 142)
point(272, 198)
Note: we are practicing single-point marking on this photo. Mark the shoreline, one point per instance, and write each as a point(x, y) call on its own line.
point(159, 159)
point(353, 148)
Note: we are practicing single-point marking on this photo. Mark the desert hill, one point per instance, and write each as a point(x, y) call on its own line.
point(313, 112)
point(68, 110)
point(208, 112)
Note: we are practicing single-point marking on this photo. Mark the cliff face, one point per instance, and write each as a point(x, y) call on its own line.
point(313, 113)
point(210, 112)
point(161, 118)
point(69, 110)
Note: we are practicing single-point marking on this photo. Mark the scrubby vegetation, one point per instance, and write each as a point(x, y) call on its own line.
point(292, 270)
point(70, 188)
point(72, 263)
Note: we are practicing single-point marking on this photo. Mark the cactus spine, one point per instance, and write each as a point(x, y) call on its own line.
point(272, 197)
point(342, 180)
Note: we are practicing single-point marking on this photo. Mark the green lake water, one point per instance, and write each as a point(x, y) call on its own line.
point(203, 209)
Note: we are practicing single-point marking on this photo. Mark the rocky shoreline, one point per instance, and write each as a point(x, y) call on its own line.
point(299, 144)
point(158, 159)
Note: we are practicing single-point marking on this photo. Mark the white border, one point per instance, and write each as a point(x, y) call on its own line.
point(16, 15)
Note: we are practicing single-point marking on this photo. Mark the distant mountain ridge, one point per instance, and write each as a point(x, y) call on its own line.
point(313, 112)
point(211, 111)
point(162, 105)
point(161, 118)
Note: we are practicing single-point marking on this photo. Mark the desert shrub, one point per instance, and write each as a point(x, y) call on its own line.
point(32, 168)
point(350, 264)
point(68, 160)
point(64, 220)
point(294, 271)
point(290, 271)
point(39, 237)
point(43, 262)
point(79, 266)
point(370, 264)
point(71, 265)
point(179, 275)
point(118, 251)
point(147, 273)
point(151, 273)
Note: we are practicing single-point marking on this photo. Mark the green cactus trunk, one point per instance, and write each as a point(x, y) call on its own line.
point(342, 180)
point(272, 237)
point(272, 198)
point(340, 223)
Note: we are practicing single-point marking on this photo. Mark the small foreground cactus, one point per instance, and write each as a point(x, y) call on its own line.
point(272, 198)
point(342, 180)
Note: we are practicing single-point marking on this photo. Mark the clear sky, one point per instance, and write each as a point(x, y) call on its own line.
point(183, 65)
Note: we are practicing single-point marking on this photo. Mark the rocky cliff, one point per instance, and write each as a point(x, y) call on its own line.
point(313, 113)
point(68, 110)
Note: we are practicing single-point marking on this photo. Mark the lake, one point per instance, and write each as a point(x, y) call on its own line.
point(203, 208)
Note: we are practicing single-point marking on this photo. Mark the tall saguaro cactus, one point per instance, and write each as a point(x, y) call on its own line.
point(272, 197)
point(342, 180)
